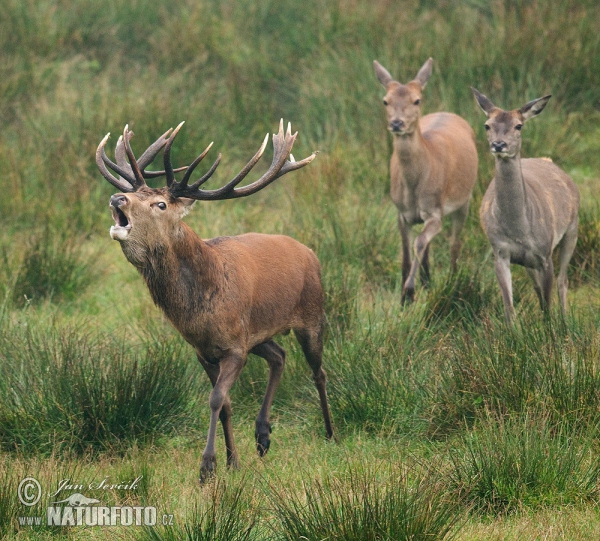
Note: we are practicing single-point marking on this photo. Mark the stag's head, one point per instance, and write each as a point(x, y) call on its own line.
point(403, 102)
point(503, 128)
point(148, 217)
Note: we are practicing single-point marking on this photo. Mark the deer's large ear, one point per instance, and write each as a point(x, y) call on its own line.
point(486, 105)
point(424, 73)
point(534, 107)
point(187, 204)
point(382, 74)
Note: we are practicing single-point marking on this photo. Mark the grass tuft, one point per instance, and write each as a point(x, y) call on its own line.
point(72, 392)
point(397, 505)
point(524, 461)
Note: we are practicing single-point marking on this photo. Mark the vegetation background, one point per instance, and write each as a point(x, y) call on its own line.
point(450, 424)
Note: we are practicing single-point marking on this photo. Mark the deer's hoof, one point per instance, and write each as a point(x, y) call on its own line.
point(408, 295)
point(263, 441)
point(208, 469)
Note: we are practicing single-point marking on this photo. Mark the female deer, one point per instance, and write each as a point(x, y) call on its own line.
point(529, 208)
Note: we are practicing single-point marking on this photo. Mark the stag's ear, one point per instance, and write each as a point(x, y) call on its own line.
point(424, 73)
point(534, 107)
point(382, 74)
point(187, 204)
point(486, 105)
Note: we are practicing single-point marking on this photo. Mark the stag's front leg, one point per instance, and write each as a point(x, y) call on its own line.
point(229, 370)
point(275, 357)
point(433, 225)
point(212, 370)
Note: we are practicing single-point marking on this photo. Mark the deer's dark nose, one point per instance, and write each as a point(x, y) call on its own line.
point(117, 200)
point(498, 146)
point(396, 125)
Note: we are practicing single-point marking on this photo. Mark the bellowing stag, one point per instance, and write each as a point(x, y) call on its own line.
point(227, 296)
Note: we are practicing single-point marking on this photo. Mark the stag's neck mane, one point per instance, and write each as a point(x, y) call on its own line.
point(182, 275)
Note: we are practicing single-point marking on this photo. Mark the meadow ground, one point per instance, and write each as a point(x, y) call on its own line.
point(450, 424)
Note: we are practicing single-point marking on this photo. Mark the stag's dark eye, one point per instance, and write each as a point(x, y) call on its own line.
point(385, 102)
point(518, 127)
point(161, 205)
point(417, 102)
point(486, 126)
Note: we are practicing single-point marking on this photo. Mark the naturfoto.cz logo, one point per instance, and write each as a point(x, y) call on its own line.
point(77, 509)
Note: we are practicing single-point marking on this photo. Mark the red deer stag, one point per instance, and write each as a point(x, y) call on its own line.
point(227, 296)
point(433, 170)
point(529, 208)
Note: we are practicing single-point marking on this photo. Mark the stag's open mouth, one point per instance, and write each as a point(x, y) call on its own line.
point(122, 226)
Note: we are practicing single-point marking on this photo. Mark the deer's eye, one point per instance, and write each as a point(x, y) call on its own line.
point(486, 126)
point(518, 127)
point(161, 205)
point(385, 102)
point(417, 102)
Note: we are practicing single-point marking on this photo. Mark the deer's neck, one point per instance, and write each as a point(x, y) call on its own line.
point(412, 154)
point(182, 275)
point(511, 197)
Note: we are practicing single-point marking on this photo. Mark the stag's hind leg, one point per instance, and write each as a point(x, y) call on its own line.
point(311, 342)
point(275, 357)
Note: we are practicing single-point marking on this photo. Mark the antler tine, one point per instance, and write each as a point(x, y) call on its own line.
point(121, 157)
point(169, 171)
point(208, 174)
point(194, 164)
point(282, 146)
point(137, 173)
point(102, 161)
point(229, 187)
point(150, 153)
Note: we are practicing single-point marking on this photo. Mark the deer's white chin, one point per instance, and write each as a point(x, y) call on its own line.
point(119, 233)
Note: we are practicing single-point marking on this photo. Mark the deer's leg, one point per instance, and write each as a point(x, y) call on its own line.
point(229, 370)
point(458, 218)
point(433, 225)
point(537, 284)
point(502, 268)
point(547, 282)
point(405, 236)
point(424, 273)
point(311, 342)
point(566, 247)
point(275, 357)
point(212, 370)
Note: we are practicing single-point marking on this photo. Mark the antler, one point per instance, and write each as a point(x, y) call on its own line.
point(132, 174)
point(282, 146)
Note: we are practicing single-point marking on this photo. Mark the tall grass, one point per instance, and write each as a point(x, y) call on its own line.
point(524, 461)
point(362, 504)
point(70, 391)
point(224, 513)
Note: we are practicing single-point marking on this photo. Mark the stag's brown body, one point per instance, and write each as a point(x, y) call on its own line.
point(433, 169)
point(228, 296)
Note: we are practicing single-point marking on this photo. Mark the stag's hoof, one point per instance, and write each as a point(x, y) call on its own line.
point(408, 295)
point(263, 440)
point(208, 469)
